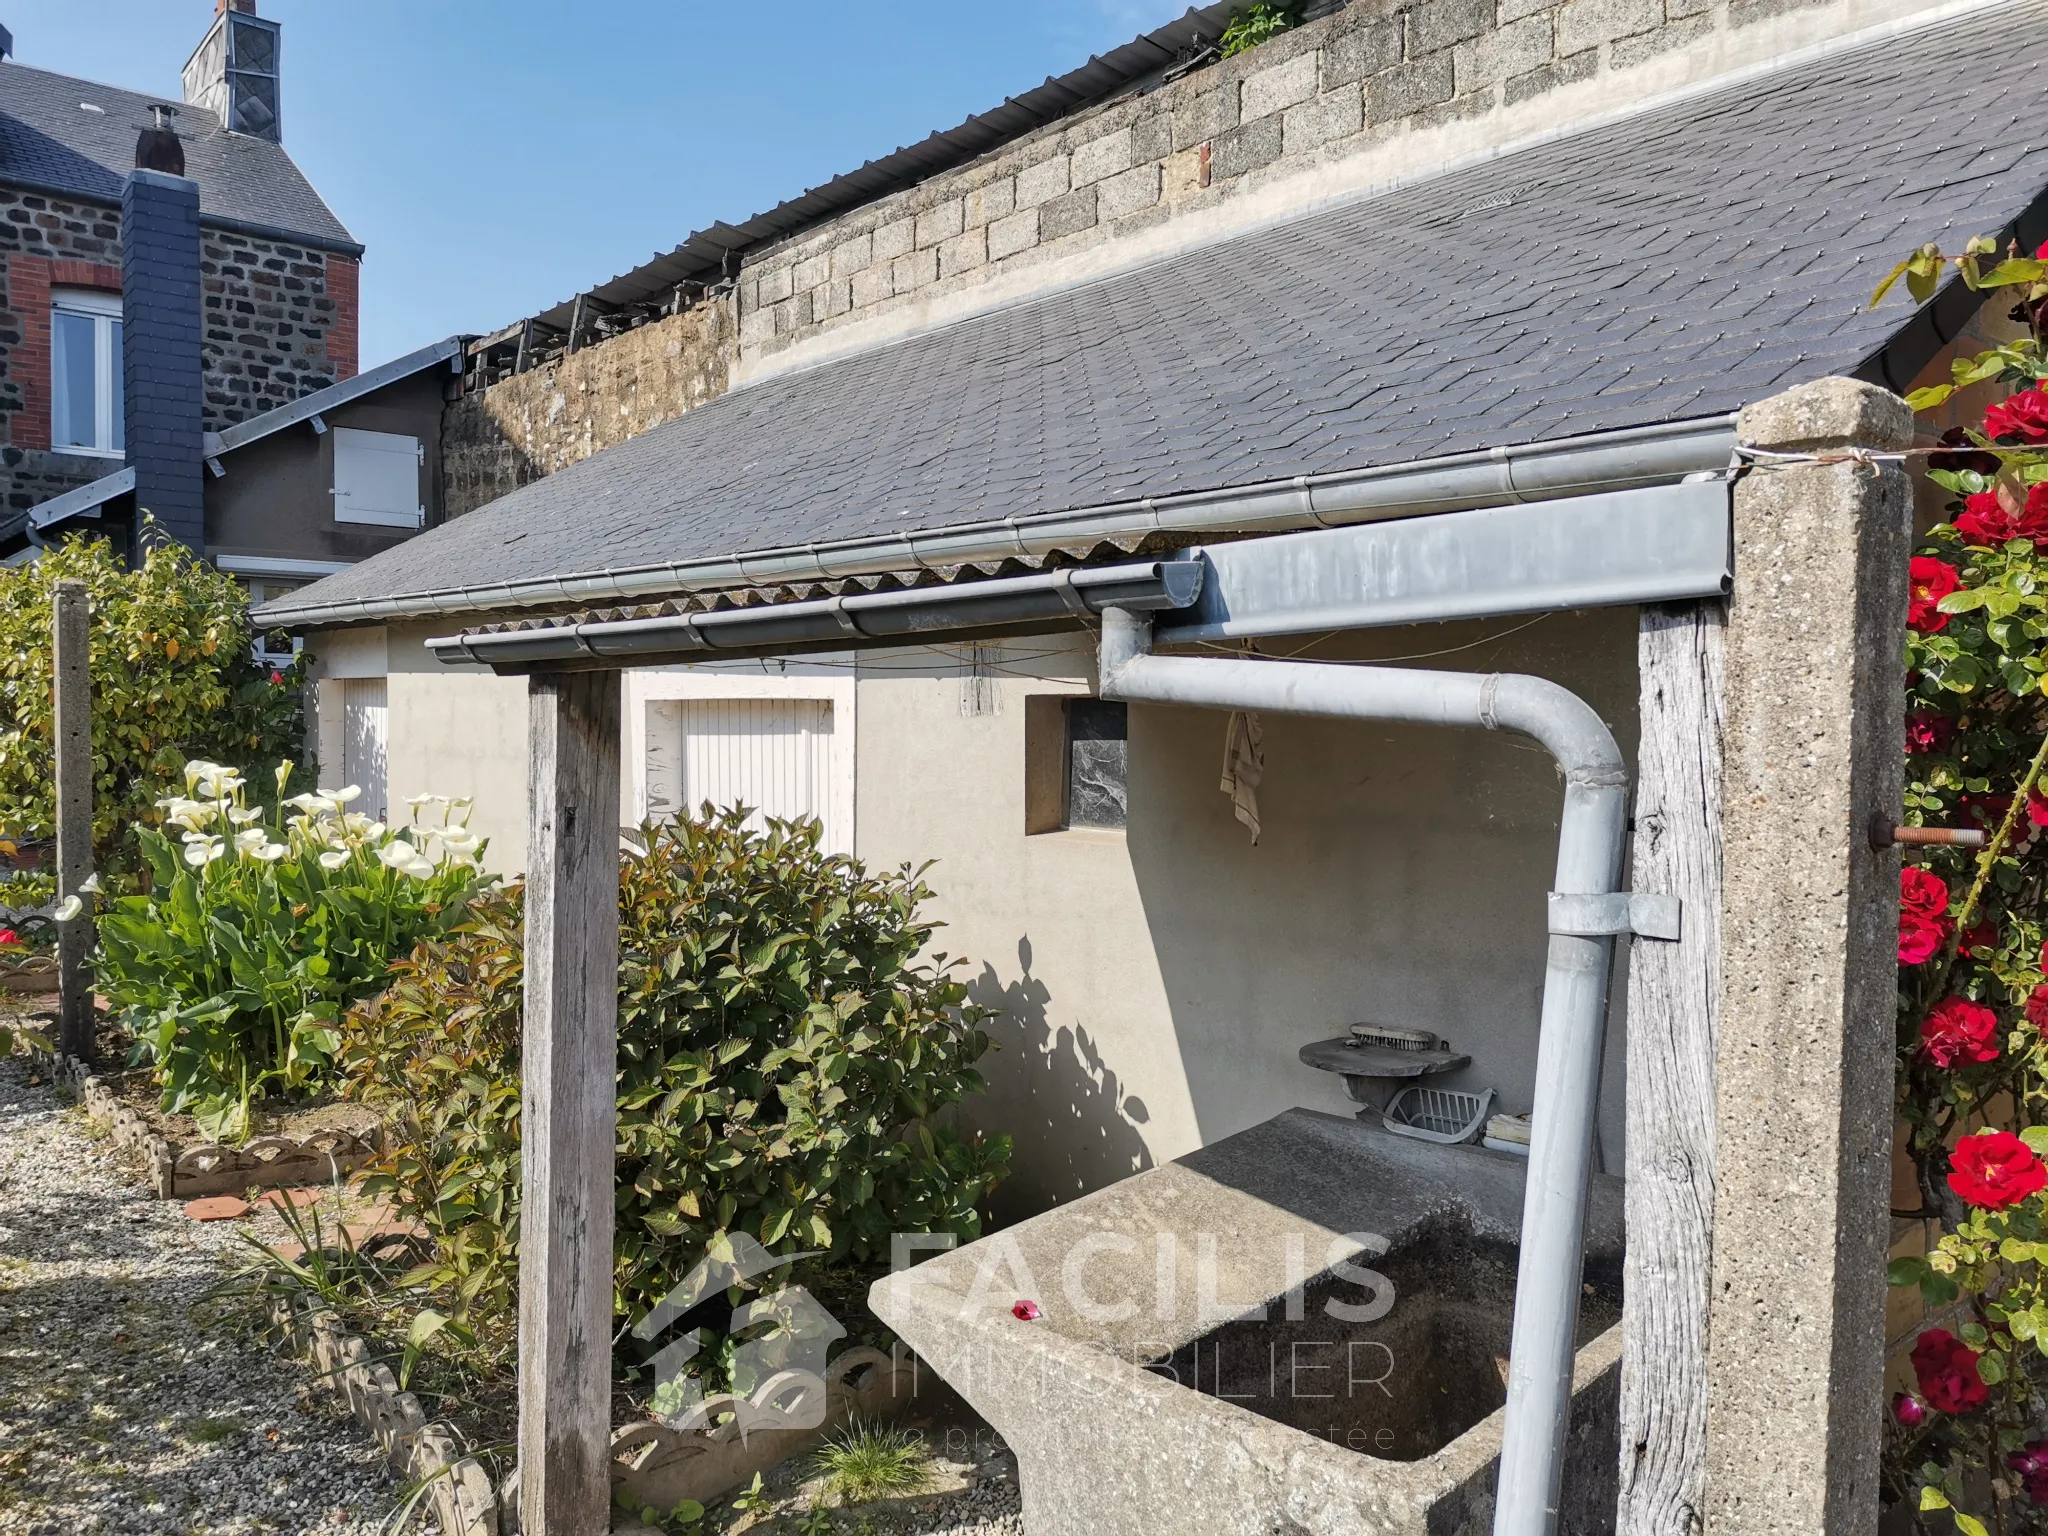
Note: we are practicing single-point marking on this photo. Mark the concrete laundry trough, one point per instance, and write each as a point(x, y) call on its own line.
point(1301, 1327)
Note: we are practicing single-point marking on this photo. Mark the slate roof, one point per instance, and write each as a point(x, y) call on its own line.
point(48, 141)
point(1670, 265)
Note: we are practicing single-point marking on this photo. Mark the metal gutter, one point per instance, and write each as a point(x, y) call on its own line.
point(335, 396)
point(1576, 466)
point(889, 617)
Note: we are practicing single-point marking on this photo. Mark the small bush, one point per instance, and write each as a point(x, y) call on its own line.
point(173, 678)
point(1255, 23)
point(783, 1054)
point(233, 972)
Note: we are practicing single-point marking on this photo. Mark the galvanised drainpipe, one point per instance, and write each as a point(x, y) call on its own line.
point(1568, 1051)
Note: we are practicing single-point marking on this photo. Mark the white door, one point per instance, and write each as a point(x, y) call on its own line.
point(365, 743)
point(771, 755)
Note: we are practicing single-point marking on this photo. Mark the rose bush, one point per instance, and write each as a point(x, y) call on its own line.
point(1973, 999)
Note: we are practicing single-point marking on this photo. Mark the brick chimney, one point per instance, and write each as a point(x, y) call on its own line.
point(162, 383)
point(234, 73)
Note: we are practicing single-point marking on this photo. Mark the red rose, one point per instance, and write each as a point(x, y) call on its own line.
point(2037, 808)
point(2022, 417)
point(1983, 935)
point(8, 936)
point(1995, 1169)
point(1946, 1369)
point(1909, 1410)
point(1928, 732)
point(1931, 580)
point(1958, 1030)
point(1922, 891)
point(276, 677)
point(1986, 810)
point(1921, 937)
point(1984, 520)
point(1968, 456)
point(2037, 1008)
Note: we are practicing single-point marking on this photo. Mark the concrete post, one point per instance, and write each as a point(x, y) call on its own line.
point(71, 726)
point(1815, 720)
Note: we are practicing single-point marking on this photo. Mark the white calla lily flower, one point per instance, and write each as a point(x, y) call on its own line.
point(91, 886)
point(68, 909)
point(333, 859)
point(269, 853)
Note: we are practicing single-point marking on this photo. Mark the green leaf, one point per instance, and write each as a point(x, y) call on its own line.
point(1932, 1498)
point(1969, 1525)
point(1925, 399)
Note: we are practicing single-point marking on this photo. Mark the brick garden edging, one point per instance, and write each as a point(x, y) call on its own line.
point(208, 1168)
point(421, 1451)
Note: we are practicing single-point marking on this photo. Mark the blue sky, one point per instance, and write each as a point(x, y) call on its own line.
point(497, 155)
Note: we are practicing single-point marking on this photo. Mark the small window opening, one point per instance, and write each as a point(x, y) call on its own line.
point(1077, 763)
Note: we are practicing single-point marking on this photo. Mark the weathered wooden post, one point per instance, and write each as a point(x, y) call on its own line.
point(569, 1076)
point(71, 725)
point(1674, 1001)
point(1812, 749)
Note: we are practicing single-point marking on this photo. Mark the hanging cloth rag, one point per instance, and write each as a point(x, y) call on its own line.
point(1244, 764)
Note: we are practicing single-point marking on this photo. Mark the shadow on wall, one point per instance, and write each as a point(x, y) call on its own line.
point(1400, 879)
point(480, 461)
point(1075, 1127)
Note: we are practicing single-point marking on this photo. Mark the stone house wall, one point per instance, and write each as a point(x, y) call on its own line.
point(280, 323)
point(530, 425)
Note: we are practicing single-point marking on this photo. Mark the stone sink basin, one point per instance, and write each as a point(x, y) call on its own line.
point(1302, 1328)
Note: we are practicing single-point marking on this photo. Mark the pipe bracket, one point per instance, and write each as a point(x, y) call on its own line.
point(1586, 916)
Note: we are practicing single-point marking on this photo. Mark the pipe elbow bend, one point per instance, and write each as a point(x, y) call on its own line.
point(1565, 723)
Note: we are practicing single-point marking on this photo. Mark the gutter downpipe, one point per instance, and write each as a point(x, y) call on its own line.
point(1570, 1041)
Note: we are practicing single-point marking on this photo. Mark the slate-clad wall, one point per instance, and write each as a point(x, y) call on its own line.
point(281, 323)
point(160, 351)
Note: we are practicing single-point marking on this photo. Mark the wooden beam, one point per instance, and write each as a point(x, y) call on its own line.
point(1673, 1009)
point(71, 724)
point(569, 1073)
point(576, 312)
point(523, 360)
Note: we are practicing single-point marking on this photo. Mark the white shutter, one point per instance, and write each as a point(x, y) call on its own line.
point(377, 478)
point(365, 743)
point(772, 755)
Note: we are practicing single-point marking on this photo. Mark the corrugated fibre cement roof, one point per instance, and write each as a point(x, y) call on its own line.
point(1677, 263)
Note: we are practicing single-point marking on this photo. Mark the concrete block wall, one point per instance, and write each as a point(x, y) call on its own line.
point(1374, 74)
point(535, 423)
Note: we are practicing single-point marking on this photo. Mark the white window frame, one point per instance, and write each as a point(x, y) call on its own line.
point(828, 678)
point(287, 575)
point(355, 439)
point(104, 310)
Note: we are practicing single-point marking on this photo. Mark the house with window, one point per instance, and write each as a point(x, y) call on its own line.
point(178, 329)
point(962, 503)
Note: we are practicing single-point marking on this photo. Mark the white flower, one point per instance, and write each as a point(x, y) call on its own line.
point(311, 804)
point(397, 853)
point(333, 860)
point(201, 851)
point(250, 839)
point(341, 797)
point(284, 773)
point(242, 815)
point(269, 853)
point(460, 838)
point(91, 886)
point(68, 908)
point(416, 801)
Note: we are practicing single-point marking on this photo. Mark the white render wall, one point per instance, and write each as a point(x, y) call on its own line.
point(1156, 982)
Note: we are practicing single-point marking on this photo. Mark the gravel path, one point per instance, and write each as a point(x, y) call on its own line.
point(121, 1412)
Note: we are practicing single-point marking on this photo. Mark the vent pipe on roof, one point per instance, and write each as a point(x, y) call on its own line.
point(234, 73)
point(158, 149)
point(6, 44)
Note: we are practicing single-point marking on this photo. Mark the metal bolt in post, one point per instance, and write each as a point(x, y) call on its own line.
point(71, 689)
